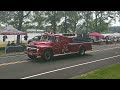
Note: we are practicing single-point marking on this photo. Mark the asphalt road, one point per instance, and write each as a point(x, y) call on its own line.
point(62, 67)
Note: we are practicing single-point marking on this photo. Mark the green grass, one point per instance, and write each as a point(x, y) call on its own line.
point(109, 72)
point(2, 44)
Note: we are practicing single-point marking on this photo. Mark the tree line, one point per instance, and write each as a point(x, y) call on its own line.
point(59, 21)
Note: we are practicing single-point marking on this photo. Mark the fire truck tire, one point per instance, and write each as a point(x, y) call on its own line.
point(81, 51)
point(48, 55)
point(31, 57)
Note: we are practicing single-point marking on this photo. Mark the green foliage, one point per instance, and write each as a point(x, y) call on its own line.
point(100, 27)
point(59, 21)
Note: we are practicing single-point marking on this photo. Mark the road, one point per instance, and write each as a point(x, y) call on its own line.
point(62, 67)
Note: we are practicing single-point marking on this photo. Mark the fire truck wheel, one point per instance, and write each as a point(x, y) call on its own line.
point(31, 57)
point(48, 54)
point(81, 51)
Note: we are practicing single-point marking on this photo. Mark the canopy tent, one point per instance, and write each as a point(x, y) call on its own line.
point(95, 34)
point(108, 35)
point(10, 30)
point(116, 34)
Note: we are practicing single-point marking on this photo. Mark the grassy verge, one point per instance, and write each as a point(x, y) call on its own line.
point(109, 72)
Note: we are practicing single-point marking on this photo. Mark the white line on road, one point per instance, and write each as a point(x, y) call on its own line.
point(102, 50)
point(4, 64)
point(69, 67)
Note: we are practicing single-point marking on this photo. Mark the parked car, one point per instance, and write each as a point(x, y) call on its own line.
point(36, 38)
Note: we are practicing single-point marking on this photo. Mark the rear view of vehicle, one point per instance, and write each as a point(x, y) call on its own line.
point(36, 38)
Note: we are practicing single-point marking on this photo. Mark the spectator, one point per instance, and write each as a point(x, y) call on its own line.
point(13, 44)
point(4, 38)
point(25, 37)
point(106, 39)
point(8, 43)
point(115, 40)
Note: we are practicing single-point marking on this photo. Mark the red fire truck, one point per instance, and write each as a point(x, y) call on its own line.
point(54, 45)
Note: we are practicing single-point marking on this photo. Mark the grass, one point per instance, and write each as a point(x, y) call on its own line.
point(2, 44)
point(109, 72)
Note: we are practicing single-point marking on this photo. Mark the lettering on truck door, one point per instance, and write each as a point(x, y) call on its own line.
point(57, 46)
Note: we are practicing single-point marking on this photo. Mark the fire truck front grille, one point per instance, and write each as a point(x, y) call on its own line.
point(31, 49)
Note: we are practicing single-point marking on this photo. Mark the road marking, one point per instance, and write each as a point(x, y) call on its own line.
point(4, 64)
point(102, 50)
point(69, 67)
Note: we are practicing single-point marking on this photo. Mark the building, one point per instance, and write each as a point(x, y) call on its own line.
point(35, 31)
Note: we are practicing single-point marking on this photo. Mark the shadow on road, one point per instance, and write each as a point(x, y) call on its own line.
point(64, 57)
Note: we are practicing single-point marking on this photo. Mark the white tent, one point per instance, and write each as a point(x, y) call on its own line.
point(116, 34)
point(10, 30)
point(108, 34)
point(112, 35)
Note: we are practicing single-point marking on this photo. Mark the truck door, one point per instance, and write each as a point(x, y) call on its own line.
point(65, 45)
point(57, 46)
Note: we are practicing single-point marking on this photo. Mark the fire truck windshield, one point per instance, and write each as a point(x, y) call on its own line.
point(45, 37)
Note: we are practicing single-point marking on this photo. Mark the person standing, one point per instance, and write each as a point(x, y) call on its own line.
point(4, 38)
point(8, 43)
point(12, 44)
point(25, 37)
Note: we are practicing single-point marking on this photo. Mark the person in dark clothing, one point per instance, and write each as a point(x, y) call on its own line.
point(8, 43)
point(4, 38)
point(106, 39)
point(12, 44)
point(25, 37)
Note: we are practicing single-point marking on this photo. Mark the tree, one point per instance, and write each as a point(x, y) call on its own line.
point(102, 27)
point(53, 17)
point(6, 17)
point(87, 17)
point(103, 16)
point(70, 21)
point(39, 18)
point(74, 17)
point(14, 18)
point(21, 16)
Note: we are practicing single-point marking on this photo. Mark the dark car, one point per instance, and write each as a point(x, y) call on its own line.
point(36, 38)
point(82, 38)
